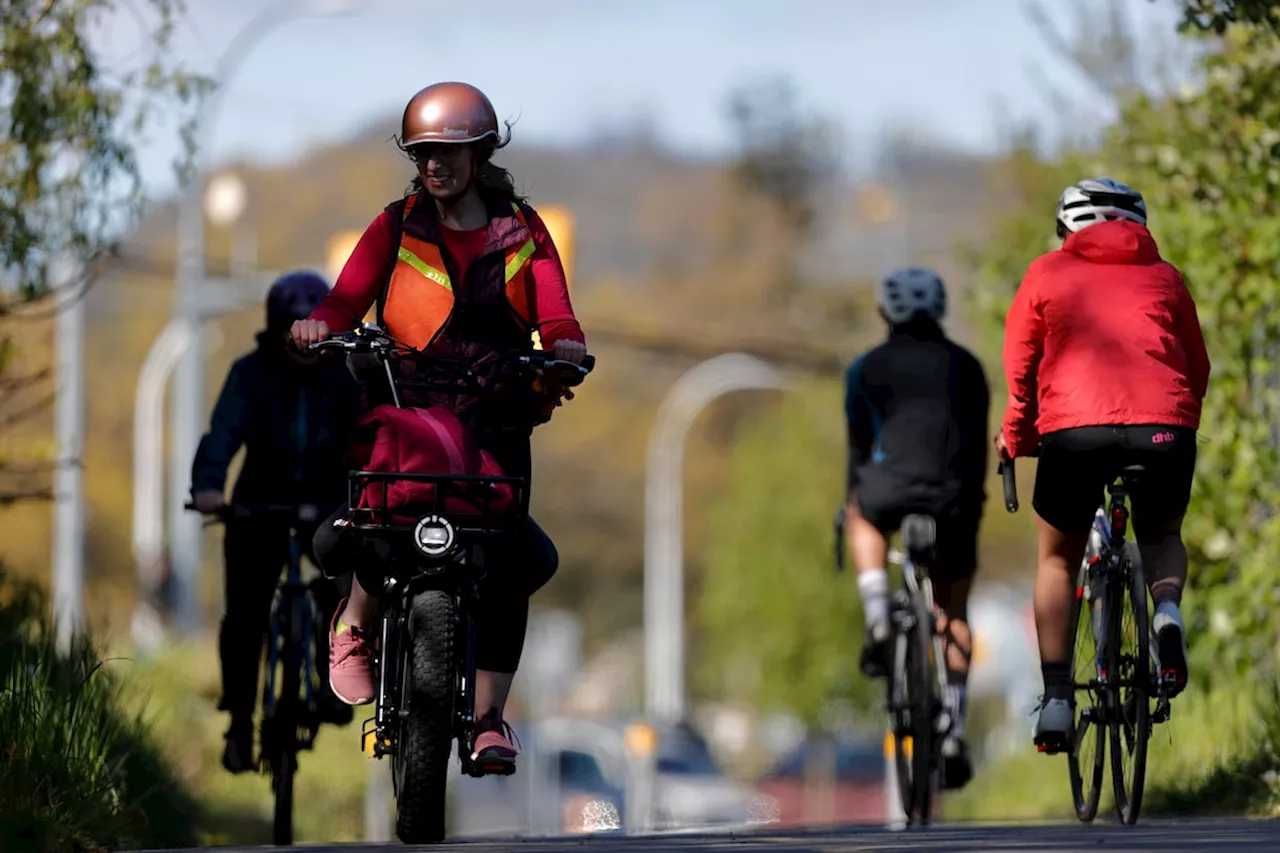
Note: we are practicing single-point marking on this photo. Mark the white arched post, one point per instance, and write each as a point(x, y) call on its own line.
point(148, 477)
point(663, 519)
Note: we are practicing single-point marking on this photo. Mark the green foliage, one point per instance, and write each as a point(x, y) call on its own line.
point(1208, 162)
point(1216, 15)
point(79, 773)
point(781, 628)
point(69, 170)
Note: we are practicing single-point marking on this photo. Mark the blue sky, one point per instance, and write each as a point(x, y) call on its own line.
point(569, 68)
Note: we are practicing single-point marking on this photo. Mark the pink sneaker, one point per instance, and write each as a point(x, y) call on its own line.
point(350, 662)
point(492, 750)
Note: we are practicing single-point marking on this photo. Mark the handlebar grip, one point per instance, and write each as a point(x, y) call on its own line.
point(589, 363)
point(1010, 485)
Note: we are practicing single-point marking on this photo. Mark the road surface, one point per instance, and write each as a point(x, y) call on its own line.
point(1168, 836)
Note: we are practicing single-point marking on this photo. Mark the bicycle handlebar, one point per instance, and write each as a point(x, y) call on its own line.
point(373, 341)
point(1005, 468)
point(242, 511)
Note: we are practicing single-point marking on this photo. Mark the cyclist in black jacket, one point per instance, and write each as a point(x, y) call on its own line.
point(917, 408)
point(293, 416)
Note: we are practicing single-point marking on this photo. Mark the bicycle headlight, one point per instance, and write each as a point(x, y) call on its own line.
point(434, 536)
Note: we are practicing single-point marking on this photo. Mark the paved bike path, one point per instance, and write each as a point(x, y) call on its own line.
point(1174, 836)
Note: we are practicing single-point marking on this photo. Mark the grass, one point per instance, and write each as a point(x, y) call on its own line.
point(81, 772)
point(179, 691)
point(1217, 755)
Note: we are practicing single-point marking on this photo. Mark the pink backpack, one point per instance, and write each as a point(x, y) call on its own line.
point(426, 441)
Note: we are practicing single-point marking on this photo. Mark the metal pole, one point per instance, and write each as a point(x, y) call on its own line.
point(68, 527)
point(186, 539)
point(148, 479)
point(663, 525)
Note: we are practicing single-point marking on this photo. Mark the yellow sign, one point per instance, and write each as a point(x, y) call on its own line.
point(559, 222)
point(877, 204)
point(640, 739)
point(338, 250)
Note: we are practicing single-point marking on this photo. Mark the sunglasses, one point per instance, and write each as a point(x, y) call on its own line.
point(425, 151)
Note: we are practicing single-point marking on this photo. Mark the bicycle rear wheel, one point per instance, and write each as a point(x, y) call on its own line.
point(1131, 677)
point(920, 700)
point(1088, 749)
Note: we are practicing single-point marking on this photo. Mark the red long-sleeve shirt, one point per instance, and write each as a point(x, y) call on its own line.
point(1102, 332)
point(369, 266)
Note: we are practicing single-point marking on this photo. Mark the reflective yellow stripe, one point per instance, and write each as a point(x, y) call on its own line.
point(438, 276)
point(514, 265)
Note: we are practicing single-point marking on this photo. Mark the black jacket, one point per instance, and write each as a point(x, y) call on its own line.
point(917, 407)
point(295, 423)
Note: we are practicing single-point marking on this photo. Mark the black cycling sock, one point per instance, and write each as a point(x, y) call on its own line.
point(1057, 680)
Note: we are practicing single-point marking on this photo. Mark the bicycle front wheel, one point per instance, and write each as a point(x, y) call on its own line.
point(284, 724)
point(428, 671)
point(1131, 677)
point(1088, 746)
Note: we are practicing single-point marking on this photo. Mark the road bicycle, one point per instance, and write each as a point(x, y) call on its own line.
point(290, 710)
point(1117, 688)
point(917, 687)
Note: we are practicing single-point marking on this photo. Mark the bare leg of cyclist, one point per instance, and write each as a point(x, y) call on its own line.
point(1164, 560)
point(1059, 560)
point(870, 551)
point(953, 598)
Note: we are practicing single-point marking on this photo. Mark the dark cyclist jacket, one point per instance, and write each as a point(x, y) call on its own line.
point(295, 423)
point(917, 408)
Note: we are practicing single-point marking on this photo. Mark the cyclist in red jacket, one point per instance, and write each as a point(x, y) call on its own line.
point(1106, 367)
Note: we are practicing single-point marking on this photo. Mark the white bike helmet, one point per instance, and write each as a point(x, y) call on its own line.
point(1094, 200)
point(906, 292)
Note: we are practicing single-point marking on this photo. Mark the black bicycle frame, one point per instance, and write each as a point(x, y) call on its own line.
point(292, 590)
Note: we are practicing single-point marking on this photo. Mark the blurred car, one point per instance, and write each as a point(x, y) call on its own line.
point(691, 790)
point(825, 782)
point(559, 789)
point(581, 769)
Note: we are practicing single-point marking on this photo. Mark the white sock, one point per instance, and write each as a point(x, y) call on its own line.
point(873, 586)
point(957, 699)
point(1167, 613)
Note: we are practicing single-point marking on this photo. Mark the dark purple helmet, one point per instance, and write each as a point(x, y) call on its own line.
point(294, 296)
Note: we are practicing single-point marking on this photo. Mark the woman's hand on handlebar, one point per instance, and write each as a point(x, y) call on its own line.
point(567, 350)
point(1002, 449)
point(307, 332)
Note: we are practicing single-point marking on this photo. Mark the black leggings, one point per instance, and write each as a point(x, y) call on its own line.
point(513, 571)
point(256, 553)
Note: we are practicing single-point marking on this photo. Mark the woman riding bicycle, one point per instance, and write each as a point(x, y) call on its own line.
point(1106, 368)
point(463, 268)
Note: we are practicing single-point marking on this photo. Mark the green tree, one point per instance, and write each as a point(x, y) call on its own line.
point(69, 178)
point(1207, 162)
point(779, 629)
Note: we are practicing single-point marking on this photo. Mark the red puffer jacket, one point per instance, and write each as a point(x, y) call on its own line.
point(1102, 332)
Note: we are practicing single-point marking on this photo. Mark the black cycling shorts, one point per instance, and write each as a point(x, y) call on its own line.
point(885, 503)
point(1077, 464)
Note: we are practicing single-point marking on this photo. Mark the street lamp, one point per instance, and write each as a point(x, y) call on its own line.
point(188, 393)
point(663, 519)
